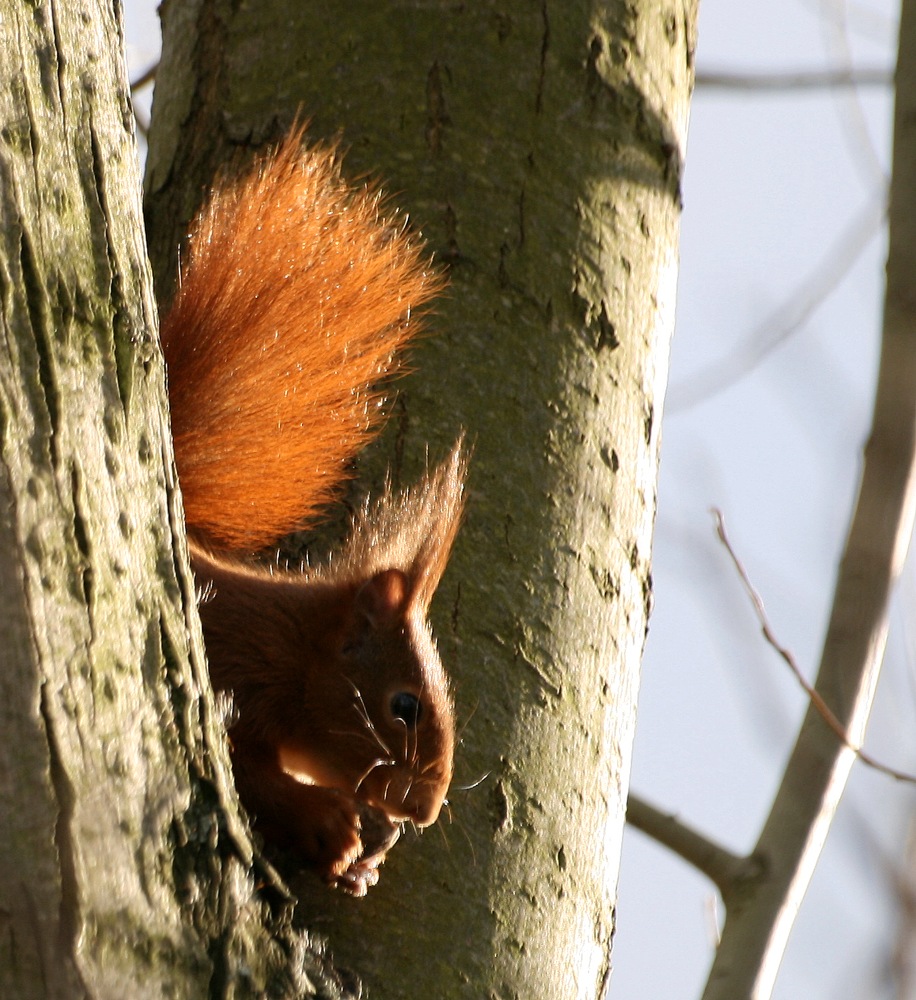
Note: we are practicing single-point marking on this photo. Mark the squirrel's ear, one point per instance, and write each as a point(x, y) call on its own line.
point(382, 598)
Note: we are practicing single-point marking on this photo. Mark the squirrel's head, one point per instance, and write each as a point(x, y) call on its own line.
point(380, 722)
point(394, 558)
point(400, 699)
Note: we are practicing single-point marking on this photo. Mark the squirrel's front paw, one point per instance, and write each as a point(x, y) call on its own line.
point(378, 836)
point(328, 832)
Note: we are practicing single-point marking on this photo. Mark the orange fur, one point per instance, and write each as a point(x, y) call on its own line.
point(295, 281)
point(296, 296)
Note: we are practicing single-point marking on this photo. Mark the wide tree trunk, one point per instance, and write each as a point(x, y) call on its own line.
point(539, 149)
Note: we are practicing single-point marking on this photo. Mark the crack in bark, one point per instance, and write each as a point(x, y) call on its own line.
point(69, 910)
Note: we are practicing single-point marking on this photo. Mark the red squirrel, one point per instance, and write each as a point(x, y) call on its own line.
point(296, 295)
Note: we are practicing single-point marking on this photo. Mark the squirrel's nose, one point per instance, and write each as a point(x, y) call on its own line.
point(420, 806)
point(424, 808)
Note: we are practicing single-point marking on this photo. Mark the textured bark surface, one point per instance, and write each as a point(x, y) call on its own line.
point(539, 148)
point(124, 871)
point(82, 622)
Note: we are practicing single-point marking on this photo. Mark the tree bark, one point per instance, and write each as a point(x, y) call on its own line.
point(124, 869)
point(539, 148)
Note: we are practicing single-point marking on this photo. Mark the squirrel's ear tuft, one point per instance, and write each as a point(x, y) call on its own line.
point(412, 531)
point(441, 500)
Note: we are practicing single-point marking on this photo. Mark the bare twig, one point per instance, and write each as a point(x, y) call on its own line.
point(146, 77)
point(787, 655)
point(788, 318)
point(722, 867)
point(825, 79)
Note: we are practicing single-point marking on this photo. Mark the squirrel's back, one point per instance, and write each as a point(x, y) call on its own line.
point(296, 295)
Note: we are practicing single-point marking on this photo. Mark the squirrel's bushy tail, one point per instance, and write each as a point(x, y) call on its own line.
point(296, 295)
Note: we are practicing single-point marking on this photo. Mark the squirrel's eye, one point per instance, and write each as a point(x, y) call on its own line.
point(406, 707)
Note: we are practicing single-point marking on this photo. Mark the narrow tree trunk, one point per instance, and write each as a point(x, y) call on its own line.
point(78, 447)
point(124, 871)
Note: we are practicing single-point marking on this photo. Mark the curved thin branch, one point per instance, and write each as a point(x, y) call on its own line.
point(788, 657)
